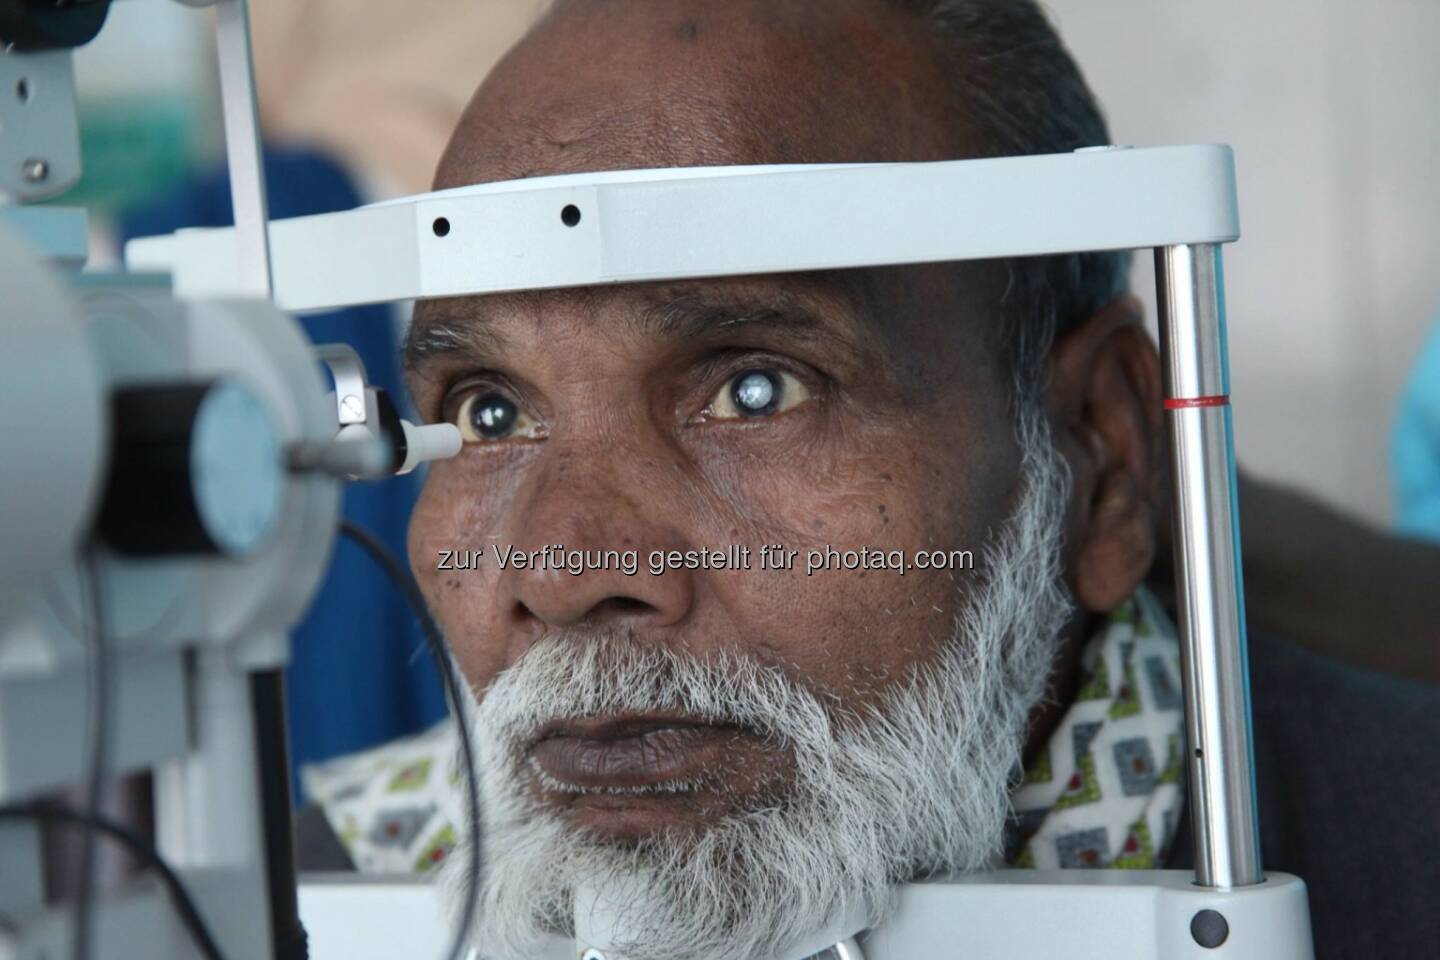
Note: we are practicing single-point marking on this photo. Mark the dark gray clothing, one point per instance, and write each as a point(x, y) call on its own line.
point(1348, 771)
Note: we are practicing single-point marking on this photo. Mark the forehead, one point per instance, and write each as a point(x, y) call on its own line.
point(604, 85)
point(607, 85)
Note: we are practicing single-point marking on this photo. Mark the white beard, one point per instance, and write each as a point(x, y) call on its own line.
point(914, 784)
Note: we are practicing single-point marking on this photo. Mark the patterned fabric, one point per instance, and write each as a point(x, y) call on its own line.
point(1107, 790)
point(393, 807)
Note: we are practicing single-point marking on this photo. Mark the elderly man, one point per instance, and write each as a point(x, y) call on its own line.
point(747, 750)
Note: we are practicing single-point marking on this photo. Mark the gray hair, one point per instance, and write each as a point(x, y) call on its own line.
point(1024, 94)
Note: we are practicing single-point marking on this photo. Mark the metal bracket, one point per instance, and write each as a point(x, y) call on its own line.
point(243, 148)
point(39, 132)
point(351, 404)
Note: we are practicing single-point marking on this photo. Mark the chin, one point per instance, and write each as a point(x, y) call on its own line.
point(631, 819)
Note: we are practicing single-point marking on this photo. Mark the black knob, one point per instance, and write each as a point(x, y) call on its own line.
point(195, 469)
point(1209, 928)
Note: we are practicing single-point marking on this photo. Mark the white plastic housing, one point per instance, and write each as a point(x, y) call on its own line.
point(722, 221)
point(53, 422)
point(1005, 915)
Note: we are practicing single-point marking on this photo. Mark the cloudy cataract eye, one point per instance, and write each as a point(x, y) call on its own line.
point(756, 393)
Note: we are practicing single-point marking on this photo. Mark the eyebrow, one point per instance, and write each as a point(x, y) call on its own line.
point(455, 331)
point(467, 327)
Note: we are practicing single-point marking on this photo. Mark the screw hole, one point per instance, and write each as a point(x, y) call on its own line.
point(570, 216)
point(1198, 754)
point(22, 90)
point(441, 226)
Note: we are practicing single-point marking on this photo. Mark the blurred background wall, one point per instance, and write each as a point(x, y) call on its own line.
point(148, 105)
point(381, 83)
point(1332, 108)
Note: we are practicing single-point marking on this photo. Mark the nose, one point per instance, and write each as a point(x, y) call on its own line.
point(558, 598)
point(601, 524)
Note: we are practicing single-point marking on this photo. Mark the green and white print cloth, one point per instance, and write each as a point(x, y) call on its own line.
point(1108, 788)
point(393, 807)
point(1106, 792)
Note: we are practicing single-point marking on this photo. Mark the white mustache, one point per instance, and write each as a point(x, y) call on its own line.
point(566, 677)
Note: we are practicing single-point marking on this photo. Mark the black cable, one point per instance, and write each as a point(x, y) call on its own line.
point(137, 845)
point(98, 759)
point(449, 677)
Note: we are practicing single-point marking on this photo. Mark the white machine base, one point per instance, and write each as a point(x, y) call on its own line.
point(1007, 915)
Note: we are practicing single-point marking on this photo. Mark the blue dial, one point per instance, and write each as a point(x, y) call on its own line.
point(236, 469)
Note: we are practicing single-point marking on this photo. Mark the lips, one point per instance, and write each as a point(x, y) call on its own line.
point(628, 752)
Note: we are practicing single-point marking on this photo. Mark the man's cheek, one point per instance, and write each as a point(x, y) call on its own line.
point(432, 531)
point(441, 556)
point(844, 633)
point(459, 506)
point(801, 501)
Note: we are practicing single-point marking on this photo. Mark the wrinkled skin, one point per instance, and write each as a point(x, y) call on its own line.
point(903, 435)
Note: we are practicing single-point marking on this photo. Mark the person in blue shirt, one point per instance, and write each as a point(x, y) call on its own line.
point(1415, 446)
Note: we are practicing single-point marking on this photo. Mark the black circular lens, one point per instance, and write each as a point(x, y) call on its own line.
point(570, 216)
point(756, 393)
point(493, 416)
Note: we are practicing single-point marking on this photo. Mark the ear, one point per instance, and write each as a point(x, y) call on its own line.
point(1105, 405)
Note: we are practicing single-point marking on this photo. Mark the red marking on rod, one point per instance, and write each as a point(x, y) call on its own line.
point(1187, 403)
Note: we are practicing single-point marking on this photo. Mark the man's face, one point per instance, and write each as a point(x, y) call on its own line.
point(849, 410)
point(863, 410)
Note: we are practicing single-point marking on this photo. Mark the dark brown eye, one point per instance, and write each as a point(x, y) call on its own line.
point(491, 416)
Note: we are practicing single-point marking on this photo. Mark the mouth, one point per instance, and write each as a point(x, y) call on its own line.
point(629, 754)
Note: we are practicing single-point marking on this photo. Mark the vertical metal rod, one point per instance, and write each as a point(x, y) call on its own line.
point(250, 203)
point(1209, 591)
point(242, 148)
point(272, 754)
